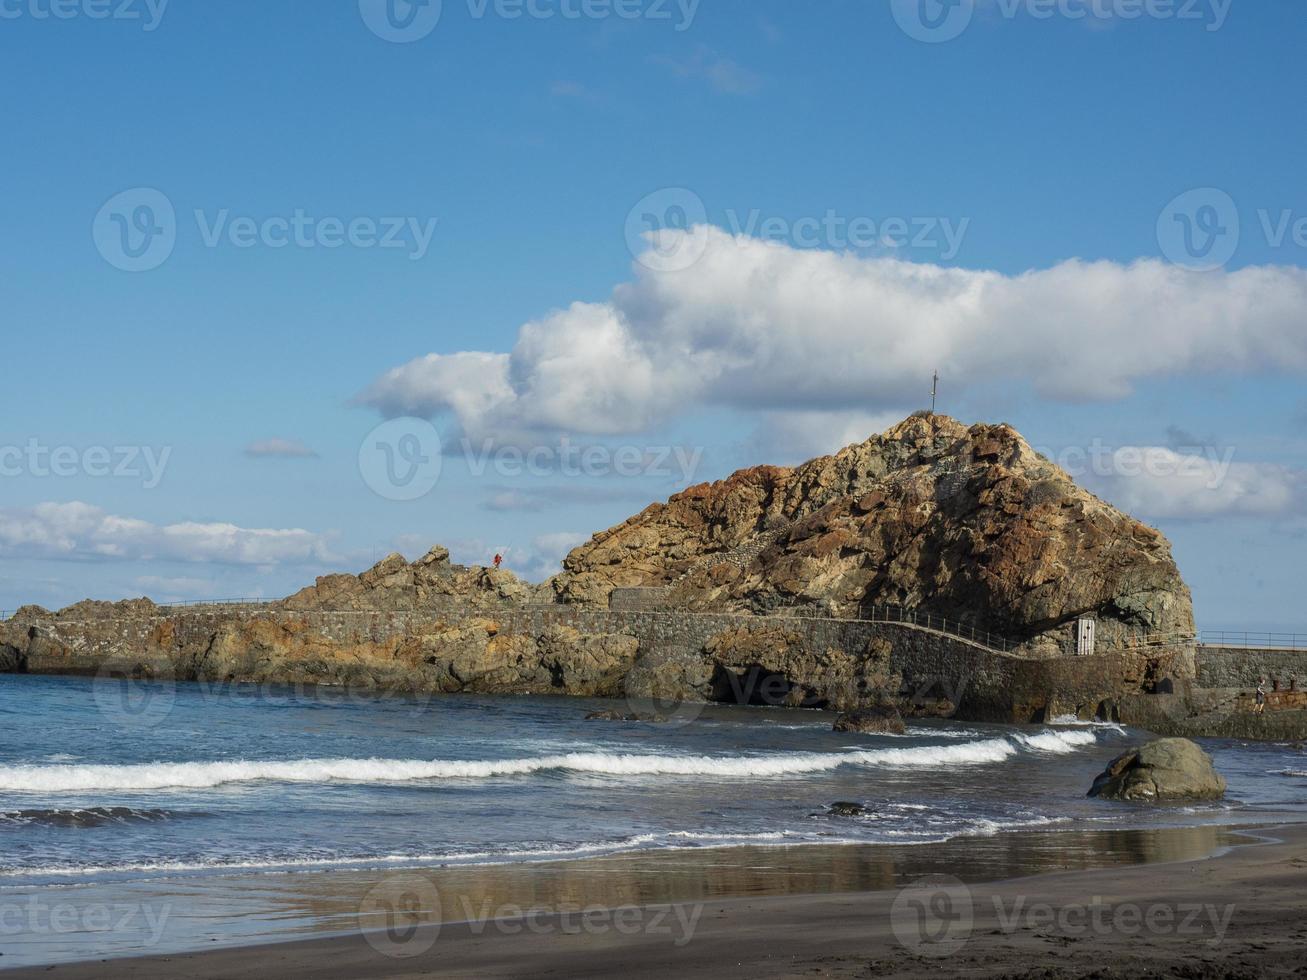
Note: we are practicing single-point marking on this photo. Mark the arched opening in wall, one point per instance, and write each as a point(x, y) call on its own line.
point(758, 686)
point(1107, 711)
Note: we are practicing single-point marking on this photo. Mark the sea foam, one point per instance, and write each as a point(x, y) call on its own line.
point(204, 775)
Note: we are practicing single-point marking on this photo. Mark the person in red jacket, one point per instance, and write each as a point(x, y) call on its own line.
point(499, 560)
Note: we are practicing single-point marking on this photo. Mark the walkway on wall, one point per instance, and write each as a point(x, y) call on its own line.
point(898, 616)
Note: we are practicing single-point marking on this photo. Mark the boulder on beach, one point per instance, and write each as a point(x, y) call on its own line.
point(1169, 769)
point(877, 719)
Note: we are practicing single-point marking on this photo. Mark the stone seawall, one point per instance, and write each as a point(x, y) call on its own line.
point(1239, 667)
point(587, 650)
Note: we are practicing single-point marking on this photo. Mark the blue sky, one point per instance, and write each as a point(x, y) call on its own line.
point(879, 206)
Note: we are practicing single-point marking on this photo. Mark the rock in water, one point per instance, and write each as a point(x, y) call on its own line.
point(846, 809)
point(1169, 769)
point(969, 523)
point(610, 715)
point(878, 719)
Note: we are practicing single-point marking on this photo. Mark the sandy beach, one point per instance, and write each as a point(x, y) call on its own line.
point(1237, 912)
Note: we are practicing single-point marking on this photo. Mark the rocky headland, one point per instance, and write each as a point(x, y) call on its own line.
point(936, 567)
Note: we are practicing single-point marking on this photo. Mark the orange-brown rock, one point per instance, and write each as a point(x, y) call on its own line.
point(967, 523)
point(395, 584)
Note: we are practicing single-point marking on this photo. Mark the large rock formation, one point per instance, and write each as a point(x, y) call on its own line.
point(1167, 770)
point(967, 523)
point(395, 585)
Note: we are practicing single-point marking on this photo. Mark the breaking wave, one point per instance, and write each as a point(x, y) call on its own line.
point(205, 775)
point(95, 816)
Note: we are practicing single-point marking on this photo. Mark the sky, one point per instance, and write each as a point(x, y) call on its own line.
point(288, 286)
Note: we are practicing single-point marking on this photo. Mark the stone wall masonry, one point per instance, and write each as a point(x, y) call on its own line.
point(982, 683)
point(1237, 667)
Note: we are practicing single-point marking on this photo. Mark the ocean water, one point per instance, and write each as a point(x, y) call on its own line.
point(105, 782)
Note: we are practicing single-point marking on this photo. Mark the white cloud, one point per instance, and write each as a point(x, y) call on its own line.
point(283, 448)
point(80, 531)
point(794, 437)
point(546, 554)
point(165, 587)
point(513, 500)
point(762, 325)
point(564, 89)
point(1159, 483)
point(723, 74)
point(473, 384)
point(533, 562)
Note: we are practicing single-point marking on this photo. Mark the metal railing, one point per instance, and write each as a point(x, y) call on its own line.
point(932, 621)
point(219, 602)
point(6, 614)
point(1248, 640)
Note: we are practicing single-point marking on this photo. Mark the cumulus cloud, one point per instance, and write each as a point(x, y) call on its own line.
point(793, 437)
point(764, 326)
point(78, 531)
point(546, 554)
point(279, 448)
point(177, 587)
point(535, 561)
point(513, 500)
point(1160, 483)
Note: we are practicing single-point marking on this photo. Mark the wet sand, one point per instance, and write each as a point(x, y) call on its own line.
point(1032, 904)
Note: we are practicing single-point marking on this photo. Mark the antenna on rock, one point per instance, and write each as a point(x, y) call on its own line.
point(934, 392)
